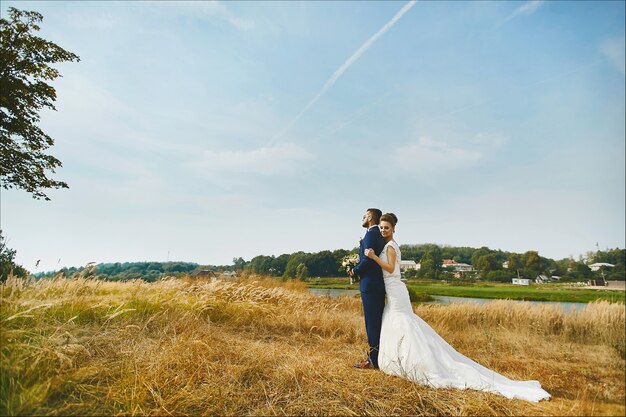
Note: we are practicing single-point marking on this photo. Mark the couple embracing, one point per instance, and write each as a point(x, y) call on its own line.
point(403, 344)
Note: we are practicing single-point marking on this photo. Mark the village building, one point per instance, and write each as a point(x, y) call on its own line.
point(405, 265)
point(596, 266)
point(202, 273)
point(205, 273)
point(542, 279)
point(459, 269)
point(228, 275)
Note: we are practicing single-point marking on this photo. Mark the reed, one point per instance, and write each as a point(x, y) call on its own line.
point(257, 346)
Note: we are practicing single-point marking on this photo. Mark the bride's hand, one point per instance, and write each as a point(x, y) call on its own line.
point(370, 253)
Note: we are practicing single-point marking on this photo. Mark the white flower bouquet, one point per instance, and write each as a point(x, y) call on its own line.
point(349, 262)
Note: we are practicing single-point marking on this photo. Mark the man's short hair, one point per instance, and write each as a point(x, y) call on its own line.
point(376, 213)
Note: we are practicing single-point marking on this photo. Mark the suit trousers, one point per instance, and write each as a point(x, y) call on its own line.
point(373, 306)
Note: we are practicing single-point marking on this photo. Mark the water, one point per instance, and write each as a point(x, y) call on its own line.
point(444, 299)
point(333, 293)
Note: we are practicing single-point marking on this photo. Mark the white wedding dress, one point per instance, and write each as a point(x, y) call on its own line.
point(411, 349)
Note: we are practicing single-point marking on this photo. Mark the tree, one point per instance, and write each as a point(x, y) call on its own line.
point(238, 264)
point(7, 262)
point(24, 72)
point(431, 262)
point(410, 273)
point(279, 265)
point(322, 264)
point(487, 263)
point(482, 251)
point(260, 264)
point(580, 271)
point(615, 257)
point(295, 259)
point(515, 263)
point(533, 263)
point(302, 272)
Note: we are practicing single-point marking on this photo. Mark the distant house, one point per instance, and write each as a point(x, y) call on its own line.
point(404, 265)
point(598, 265)
point(458, 268)
point(227, 275)
point(598, 282)
point(212, 274)
point(542, 279)
point(202, 273)
point(521, 281)
point(461, 267)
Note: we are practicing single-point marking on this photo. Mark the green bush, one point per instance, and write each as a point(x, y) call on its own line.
point(418, 297)
point(499, 276)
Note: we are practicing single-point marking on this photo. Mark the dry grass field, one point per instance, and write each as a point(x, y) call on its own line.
point(261, 347)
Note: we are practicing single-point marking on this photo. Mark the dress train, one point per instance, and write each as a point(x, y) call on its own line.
point(411, 349)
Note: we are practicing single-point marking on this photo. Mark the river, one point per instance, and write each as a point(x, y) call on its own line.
point(444, 299)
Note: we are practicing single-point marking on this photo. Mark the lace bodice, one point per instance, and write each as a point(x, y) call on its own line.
point(384, 258)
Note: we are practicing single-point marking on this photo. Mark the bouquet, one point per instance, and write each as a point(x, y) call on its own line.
point(349, 262)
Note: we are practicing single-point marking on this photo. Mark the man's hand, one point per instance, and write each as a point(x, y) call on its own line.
point(351, 273)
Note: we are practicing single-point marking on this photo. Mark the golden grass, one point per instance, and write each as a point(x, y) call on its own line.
point(262, 347)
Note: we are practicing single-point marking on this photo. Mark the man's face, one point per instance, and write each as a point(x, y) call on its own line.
point(366, 219)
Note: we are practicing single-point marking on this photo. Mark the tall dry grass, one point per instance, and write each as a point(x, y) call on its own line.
point(261, 347)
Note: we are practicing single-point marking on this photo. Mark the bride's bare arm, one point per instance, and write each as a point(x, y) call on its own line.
point(391, 256)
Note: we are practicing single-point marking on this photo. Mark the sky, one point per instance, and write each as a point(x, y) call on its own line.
point(205, 131)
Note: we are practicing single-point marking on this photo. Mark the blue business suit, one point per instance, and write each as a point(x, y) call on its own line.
point(372, 289)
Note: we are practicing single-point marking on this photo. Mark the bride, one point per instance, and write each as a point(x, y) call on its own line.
point(411, 349)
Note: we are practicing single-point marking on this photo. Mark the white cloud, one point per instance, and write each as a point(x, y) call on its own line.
point(613, 49)
point(98, 129)
point(429, 155)
point(280, 159)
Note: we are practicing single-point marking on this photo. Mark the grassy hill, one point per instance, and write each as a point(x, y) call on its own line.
point(258, 346)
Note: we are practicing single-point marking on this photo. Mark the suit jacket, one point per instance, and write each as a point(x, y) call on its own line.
point(370, 272)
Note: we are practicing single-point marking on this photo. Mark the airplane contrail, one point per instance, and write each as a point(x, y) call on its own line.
point(354, 116)
point(527, 8)
point(343, 68)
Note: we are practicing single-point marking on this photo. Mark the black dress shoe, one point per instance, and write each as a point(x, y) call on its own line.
point(364, 365)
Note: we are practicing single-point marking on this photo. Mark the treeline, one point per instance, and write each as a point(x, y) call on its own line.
point(498, 265)
point(487, 264)
point(7, 263)
point(147, 271)
point(298, 265)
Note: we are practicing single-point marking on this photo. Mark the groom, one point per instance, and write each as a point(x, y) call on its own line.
point(372, 285)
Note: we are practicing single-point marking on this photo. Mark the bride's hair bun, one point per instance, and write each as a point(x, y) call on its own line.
point(389, 217)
